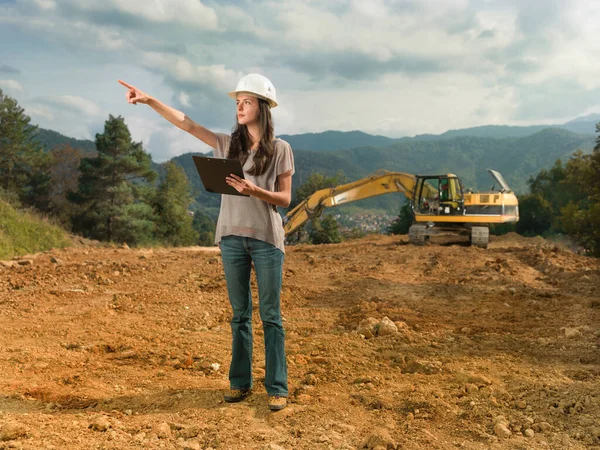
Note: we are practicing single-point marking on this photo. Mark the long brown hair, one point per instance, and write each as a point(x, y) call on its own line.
point(240, 141)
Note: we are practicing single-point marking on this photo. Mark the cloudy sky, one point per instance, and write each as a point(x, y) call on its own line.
point(395, 67)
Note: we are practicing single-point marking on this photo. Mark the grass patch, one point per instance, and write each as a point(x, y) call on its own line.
point(22, 233)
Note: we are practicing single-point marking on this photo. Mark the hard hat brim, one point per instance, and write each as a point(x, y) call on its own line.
point(272, 103)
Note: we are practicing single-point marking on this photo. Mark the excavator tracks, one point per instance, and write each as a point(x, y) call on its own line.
point(417, 234)
point(480, 236)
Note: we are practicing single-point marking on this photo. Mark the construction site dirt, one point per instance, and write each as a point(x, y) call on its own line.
point(389, 346)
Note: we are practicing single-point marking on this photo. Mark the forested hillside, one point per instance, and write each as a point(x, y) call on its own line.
point(335, 140)
point(52, 139)
point(469, 157)
point(467, 153)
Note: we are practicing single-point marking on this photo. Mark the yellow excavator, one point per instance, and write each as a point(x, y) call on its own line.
point(439, 204)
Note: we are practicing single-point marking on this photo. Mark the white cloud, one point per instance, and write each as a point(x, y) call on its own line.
point(189, 12)
point(181, 69)
point(184, 99)
point(39, 113)
point(46, 4)
point(74, 104)
point(11, 86)
point(396, 67)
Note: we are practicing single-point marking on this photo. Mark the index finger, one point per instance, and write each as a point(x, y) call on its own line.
point(235, 177)
point(126, 85)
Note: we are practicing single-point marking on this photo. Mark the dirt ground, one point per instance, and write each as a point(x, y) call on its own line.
point(389, 346)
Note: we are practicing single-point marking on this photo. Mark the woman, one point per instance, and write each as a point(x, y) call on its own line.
point(249, 229)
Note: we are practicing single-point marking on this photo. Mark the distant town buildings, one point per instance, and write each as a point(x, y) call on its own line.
point(367, 223)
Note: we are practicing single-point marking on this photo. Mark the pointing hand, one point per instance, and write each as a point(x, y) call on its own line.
point(134, 95)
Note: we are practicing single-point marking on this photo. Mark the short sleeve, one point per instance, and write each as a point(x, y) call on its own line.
point(222, 148)
point(285, 158)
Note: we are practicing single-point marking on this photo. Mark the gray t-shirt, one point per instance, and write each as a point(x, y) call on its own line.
point(249, 216)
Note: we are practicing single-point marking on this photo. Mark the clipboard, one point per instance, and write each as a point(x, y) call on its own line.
point(213, 171)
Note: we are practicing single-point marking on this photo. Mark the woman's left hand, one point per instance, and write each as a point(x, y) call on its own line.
point(241, 185)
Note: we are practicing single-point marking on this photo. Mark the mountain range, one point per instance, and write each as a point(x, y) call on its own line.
point(517, 152)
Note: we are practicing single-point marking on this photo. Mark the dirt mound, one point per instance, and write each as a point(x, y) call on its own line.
point(390, 346)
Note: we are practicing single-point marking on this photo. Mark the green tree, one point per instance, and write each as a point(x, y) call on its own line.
point(325, 231)
point(547, 184)
point(113, 192)
point(64, 173)
point(315, 182)
point(173, 198)
point(205, 226)
point(535, 215)
point(580, 218)
point(23, 163)
point(403, 222)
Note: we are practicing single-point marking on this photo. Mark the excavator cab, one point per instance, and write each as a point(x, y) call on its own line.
point(438, 195)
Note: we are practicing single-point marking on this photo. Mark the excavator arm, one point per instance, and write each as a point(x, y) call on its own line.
point(381, 182)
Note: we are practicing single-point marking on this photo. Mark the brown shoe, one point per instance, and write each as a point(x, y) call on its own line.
point(276, 402)
point(236, 395)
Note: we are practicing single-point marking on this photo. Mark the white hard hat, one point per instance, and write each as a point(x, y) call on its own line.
point(258, 86)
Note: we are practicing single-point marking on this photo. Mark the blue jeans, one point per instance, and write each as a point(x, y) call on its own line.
point(238, 254)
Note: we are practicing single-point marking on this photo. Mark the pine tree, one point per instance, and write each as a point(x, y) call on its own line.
point(403, 222)
point(174, 223)
point(326, 231)
point(205, 226)
point(64, 173)
point(535, 215)
point(113, 192)
point(315, 182)
point(23, 163)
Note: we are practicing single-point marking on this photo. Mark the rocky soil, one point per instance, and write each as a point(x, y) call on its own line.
point(390, 346)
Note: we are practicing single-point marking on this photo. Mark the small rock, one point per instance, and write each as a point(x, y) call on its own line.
point(310, 379)
point(215, 366)
point(544, 426)
point(474, 378)
point(502, 431)
point(259, 372)
point(100, 423)
point(303, 399)
point(500, 419)
point(528, 433)
point(571, 333)
point(471, 388)
point(367, 327)
point(140, 437)
point(56, 261)
point(191, 445)
point(12, 430)
point(273, 447)
point(189, 432)
point(521, 404)
point(163, 431)
point(381, 438)
point(25, 262)
point(386, 327)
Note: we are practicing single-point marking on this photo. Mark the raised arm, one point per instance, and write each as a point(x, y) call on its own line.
point(177, 118)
